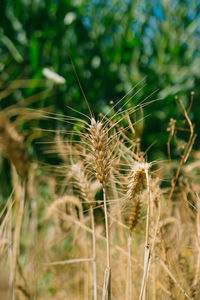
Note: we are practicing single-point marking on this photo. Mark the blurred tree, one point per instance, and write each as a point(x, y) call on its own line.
point(114, 44)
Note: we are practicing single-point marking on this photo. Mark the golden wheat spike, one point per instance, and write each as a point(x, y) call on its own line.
point(134, 214)
point(100, 151)
point(137, 179)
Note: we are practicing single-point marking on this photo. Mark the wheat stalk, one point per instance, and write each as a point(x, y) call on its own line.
point(88, 195)
point(136, 181)
point(147, 255)
point(16, 240)
point(13, 147)
point(101, 154)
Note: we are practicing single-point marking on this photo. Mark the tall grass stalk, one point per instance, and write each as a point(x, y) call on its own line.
point(16, 239)
point(147, 254)
point(129, 287)
point(94, 252)
point(107, 274)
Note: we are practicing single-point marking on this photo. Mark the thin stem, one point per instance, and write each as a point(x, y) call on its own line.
point(94, 251)
point(68, 218)
point(107, 229)
point(147, 255)
point(16, 239)
point(197, 272)
point(69, 261)
point(107, 275)
point(165, 267)
point(129, 281)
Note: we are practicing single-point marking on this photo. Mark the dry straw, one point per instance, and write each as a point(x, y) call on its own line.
point(137, 180)
point(13, 147)
point(89, 196)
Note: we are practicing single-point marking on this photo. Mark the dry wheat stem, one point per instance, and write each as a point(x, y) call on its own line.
point(107, 284)
point(197, 272)
point(171, 275)
point(107, 275)
point(154, 281)
point(86, 193)
point(94, 252)
point(118, 248)
point(147, 261)
point(107, 229)
point(129, 287)
point(134, 185)
point(16, 240)
point(147, 255)
point(69, 261)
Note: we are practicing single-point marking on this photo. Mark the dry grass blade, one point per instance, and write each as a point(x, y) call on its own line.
point(16, 241)
point(172, 276)
point(100, 209)
point(12, 145)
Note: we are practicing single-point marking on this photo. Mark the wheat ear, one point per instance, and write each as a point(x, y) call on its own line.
point(101, 155)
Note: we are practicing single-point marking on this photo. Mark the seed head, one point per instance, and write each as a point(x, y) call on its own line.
point(137, 179)
point(100, 151)
point(134, 214)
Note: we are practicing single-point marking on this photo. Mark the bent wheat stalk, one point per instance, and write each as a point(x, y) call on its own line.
point(136, 181)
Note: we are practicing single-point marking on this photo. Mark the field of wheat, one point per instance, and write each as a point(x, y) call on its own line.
point(96, 219)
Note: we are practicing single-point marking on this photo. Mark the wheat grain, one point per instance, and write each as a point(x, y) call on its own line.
point(100, 151)
point(134, 214)
point(137, 179)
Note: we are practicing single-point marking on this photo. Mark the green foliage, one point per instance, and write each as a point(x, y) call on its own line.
point(114, 44)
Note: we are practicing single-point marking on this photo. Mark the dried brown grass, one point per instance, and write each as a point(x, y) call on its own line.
point(103, 208)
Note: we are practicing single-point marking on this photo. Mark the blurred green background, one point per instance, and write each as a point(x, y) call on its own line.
point(114, 45)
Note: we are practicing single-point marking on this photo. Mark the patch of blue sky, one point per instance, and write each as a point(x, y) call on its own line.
point(128, 2)
point(108, 40)
point(184, 46)
point(191, 14)
point(117, 29)
point(153, 23)
point(99, 12)
point(198, 28)
point(148, 45)
point(135, 26)
point(102, 3)
point(120, 7)
point(193, 3)
point(149, 32)
point(174, 4)
point(158, 12)
point(87, 22)
point(88, 8)
point(95, 2)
